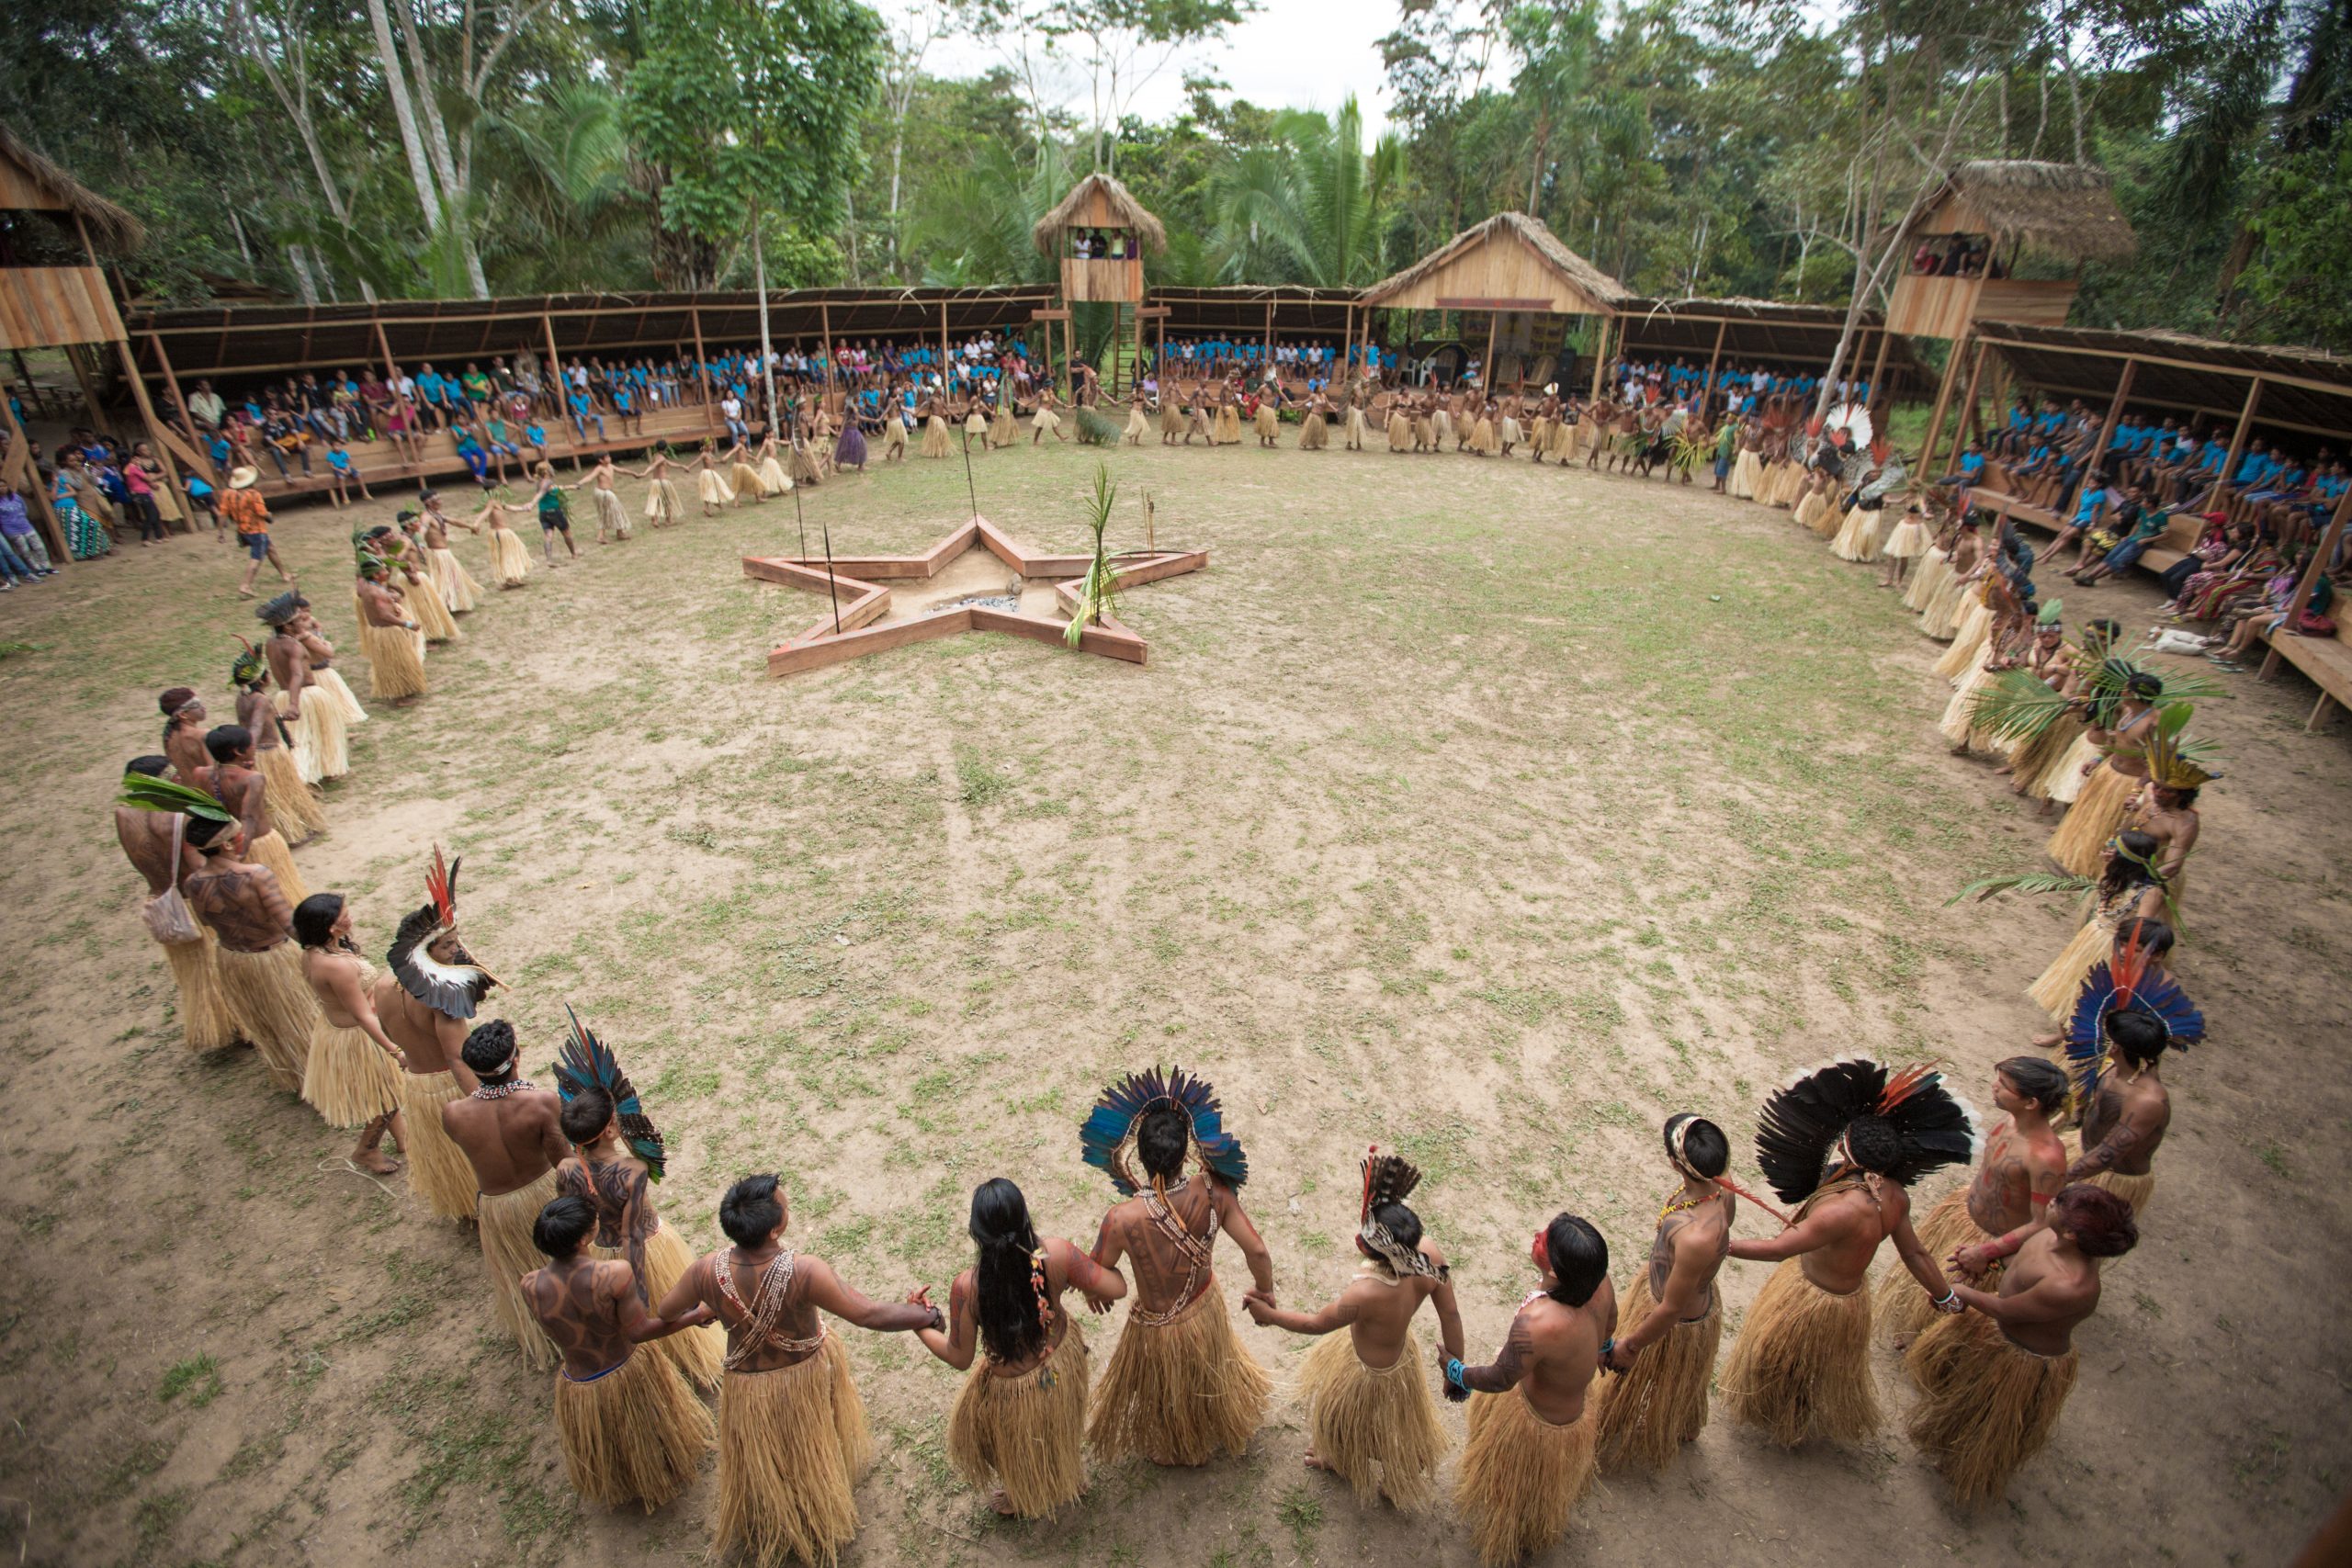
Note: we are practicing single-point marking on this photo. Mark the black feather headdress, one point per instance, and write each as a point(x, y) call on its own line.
point(585, 1061)
point(1390, 1179)
point(1801, 1127)
point(454, 991)
point(1109, 1129)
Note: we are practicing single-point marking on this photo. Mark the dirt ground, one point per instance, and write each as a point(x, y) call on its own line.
point(1487, 812)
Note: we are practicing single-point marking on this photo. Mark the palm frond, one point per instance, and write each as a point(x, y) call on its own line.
point(2030, 881)
point(1095, 602)
point(149, 793)
point(2015, 705)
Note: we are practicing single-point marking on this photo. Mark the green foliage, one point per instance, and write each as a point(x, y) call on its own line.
point(2298, 276)
point(1096, 601)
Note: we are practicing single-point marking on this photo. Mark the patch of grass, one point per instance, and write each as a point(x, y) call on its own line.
point(155, 1518)
point(1301, 1513)
point(133, 1465)
point(976, 783)
point(199, 1377)
point(2271, 1154)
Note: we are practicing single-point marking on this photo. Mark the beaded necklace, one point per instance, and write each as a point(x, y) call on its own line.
point(501, 1090)
point(1673, 1208)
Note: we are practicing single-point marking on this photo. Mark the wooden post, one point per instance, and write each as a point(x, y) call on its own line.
point(1134, 380)
point(1714, 357)
point(1967, 402)
point(21, 450)
point(171, 381)
point(825, 335)
point(2114, 412)
point(943, 342)
point(702, 364)
point(1878, 366)
point(2303, 588)
point(1160, 358)
point(1600, 358)
point(89, 390)
point(408, 409)
point(1270, 342)
point(1943, 400)
point(562, 392)
point(1486, 376)
point(2237, 442)
point(156, 435)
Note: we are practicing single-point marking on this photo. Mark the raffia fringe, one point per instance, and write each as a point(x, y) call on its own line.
point(1658, 1403)
point(1181, 1392)
point(791, 1445)
point(1022, 1434)
point(206, 1023)
point(1375, 1429)
point(1986, 1406)
point(633, 1436)
point(1801, 1367)
point(273, 1009)
point(349, 1079)
point(1521, 1476)
point(505, 1220)
point(438, 1171)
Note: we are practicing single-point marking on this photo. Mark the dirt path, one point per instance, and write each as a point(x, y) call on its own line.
point(1487, 812)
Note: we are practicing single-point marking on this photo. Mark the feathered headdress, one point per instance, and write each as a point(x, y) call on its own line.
point(150, 793)
point(247, 667)
point(2173, 760)
point(2050, 614)
point(585, 1061)
point(2116, 983)
point(1390, 1179)
point(1801, 1128)
point(279, 611)
point(1109, 1129)
point(451, 990)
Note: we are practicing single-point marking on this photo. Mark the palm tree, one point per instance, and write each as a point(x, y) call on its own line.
point(1313, 210)
point(973, 225)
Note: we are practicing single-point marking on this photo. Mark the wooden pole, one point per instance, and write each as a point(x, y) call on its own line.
point(1878, 366)
point(825, 338)
point(89, 390)
point(2237, 441)
point(1270, 341)
point(943, 342)
point(562, 392)
point(156, 435)
point(171, 381)
point(1600, 358)
point(702, 364)
point(1714, 357)
point(1134, 380)
point(1160, 358)
point(408, 409)
point(2114, 412)
point(1487, 378)
point(1943, 400)
point(21, 449)
point(2304, 587)
point(1967, 402)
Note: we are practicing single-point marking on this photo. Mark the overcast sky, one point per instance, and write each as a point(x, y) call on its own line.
point(1307, 54)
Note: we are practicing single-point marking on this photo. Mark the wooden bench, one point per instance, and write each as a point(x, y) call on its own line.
point(2327, 660)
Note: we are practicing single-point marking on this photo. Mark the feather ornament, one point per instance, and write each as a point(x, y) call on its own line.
point(585, 1061)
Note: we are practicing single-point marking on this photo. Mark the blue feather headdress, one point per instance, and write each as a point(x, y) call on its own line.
point(2115, 984)
point(586, 1061)
point(1109, 1129)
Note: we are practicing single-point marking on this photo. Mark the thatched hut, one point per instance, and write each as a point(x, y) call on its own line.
point(1510, 268)
point(1098, 232)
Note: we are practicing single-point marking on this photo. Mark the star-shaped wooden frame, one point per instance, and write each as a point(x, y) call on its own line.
point(861, 579)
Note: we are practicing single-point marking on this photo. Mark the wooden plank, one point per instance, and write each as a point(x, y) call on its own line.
point(2310, 582)
point(44, 508)
point(794, 659)
point(1109, 639)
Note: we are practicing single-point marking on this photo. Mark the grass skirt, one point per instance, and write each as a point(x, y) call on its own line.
point(295, 810)
point(1510, 432)
point(270, 851)
point(1560, 441)
point(1940, 614)
point(1426, 434)
point(1171, 418)
point(510, 563)
point(1377, 1430)
point(663, 506)
point(1483, 438)
point(1745, 470)
point(934, 437)
point(1268, 421)
point(1783, 482)
point(1972, 630)
point(1005, 429)
point(1400, 433)
point(438, 1171)
point(1314, 434)
point(894, 444)
point(1933, 571)
point(2136, 1190)
point(744, 480)
point(1022, 1434)
point(431, 616)
point(774, 480)
point(1959, 712)
point(1179, 1393)
point(1857, 537)
point(206, 1023)
point(508, 1253)
point(2056, 989)
point(610, 514)
point(323, 734)
point(697, 1353)
point(712, 488)
point(1045, 421)
point(2098, 810)
point(1521, 1476)
point(395, 661)
point(349, 1078)
point(457, 587)
point(2039, 760)
point(273, 1008)
point(1907, 540)
point(791, 1444)
point(1441, 428)
point(1359, 433)
point(1904, 1309)
point(1813, 509)
point(1228, 425)
point(324, 678)
point(635, 1435)
point(1137, 426)
point(1801, 1367)
point(1986, 1406)
point(1659, 1402)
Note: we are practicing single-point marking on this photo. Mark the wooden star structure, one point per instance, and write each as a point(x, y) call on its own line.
point(862, 583)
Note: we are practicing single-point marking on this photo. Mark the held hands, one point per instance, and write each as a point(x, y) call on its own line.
point(1615, 1357)
point(1260, 1305)
point(1973, 1261)
point(1457, 1389)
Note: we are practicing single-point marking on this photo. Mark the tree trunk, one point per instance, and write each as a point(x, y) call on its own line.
point(767, 351)
point(453, 186)
point(303, 282)
point(404, 113)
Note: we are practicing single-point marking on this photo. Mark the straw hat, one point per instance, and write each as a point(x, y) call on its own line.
point(243, 478)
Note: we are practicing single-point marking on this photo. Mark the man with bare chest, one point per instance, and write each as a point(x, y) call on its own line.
point(1842, 1144)
point(156, 843)
point(261, 971)
point(1529, 1457)
point(509, 1132)
point(294, 808)
point(1180, 1388)
point(426, 1004)
point(1993, 1379)
point(610, 512)
point(1369, 1416)
point(630, 1429)
point(234, 781)
point(2023, 1166)
point(1673, 1316)
point(388, 635)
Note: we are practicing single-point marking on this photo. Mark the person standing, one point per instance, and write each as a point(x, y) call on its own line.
point(1370, 1418)
point(1994, 1378)
point(353, 1076)
point(153, 835)
point(1180, 1388)
point(425, 1003)
point(261, 971)
point(236, 784)
point(393, 643)
point(1528, 1459)
point(242, 504)
point(792, 1439)
point(1019, 1423)
point(295, 812)
point(1673, 1318)
point(508, 1129)
point(1842, 1143)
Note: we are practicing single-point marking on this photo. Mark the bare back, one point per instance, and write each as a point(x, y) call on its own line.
point(1383, 1307)
point(430, 1040)
point(242, 903)
point(2124, 1123)
point(146, 840)
point(579, 1302)
point(511, 1141)
point(1858, 1220)
point(2015, 1168)
point(1697, 1240)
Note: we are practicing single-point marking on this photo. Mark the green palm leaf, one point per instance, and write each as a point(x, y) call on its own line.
point(2015, 705)
point(149, 793)
point(2033, 882)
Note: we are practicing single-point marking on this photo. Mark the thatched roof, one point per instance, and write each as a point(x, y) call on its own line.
point(1125, 208)
point(2065, 208)
point(111, 227)
point(1529, 232)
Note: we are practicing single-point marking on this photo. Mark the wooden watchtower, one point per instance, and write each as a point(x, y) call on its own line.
point(1098, 236)
point(54, 296)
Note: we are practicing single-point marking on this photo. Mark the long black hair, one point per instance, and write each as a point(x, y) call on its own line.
point(1005, 1302)
point(2132, 866)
